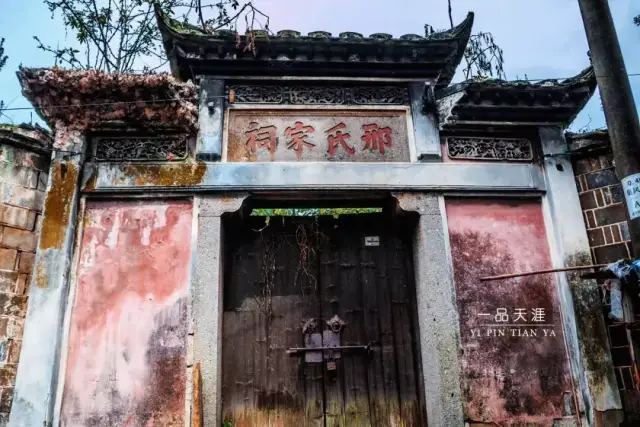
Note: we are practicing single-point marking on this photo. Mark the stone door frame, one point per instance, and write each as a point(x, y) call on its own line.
point(439, 340)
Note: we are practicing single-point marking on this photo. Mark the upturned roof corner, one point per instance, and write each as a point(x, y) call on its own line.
point(31, 137)
point(90, 99)
point(520, 102)
point(590, 142)
point(193, 52)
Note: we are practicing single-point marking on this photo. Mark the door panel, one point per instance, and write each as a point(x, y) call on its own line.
point(280, 276)
point(400, 285)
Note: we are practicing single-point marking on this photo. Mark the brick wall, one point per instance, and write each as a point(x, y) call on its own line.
point(23, 179)
point(601, 199)
point(604, 213)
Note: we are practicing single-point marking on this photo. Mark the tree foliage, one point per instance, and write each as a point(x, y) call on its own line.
point(3, 62)
point(483, 57)
point(119, 36)
point(312, 212)
point(3, 57)
point(636, 20)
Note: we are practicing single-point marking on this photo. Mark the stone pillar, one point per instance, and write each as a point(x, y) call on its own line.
point(24, 167)
point(207, 298)
point(37, 377)
point(439, 326)
point(210, 120)
point(425, 122)
point(584, 328)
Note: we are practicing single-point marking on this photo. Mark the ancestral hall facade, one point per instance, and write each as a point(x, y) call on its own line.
point(163, 296)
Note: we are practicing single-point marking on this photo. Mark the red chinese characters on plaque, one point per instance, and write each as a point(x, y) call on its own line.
point(261, 137)
point(317, 137)
point(376, 138)
point(338, 139)
point(298, 135)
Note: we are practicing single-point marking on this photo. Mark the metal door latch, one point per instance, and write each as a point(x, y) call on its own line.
point(367, 348)
point(323, 345)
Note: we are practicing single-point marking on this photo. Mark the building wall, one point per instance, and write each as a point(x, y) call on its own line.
point(127, 355)
point(515, 367)
point(23, 180)
point(601, 199)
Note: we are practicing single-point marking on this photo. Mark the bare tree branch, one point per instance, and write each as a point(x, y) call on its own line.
point(3, 62)
point(113, 35)
point(76, 20)
point(199, 6)
point(482, 56)
point(3, 57)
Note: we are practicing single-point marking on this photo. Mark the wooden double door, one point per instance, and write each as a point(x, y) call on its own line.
point(297, 283)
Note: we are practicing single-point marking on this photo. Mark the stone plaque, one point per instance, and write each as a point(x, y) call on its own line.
point(322, 135)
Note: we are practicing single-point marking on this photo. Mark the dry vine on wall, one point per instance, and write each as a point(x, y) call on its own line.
point(309, 240)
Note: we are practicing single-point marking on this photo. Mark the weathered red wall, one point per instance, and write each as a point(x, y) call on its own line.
point(507, 379)
point(126, 361)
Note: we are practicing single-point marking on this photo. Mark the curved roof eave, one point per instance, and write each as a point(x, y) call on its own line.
point(463, 33)
point(548, 100)
point(434, 57)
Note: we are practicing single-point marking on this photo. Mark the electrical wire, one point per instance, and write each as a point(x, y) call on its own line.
point(226, 96)
point(564, 78)
point(113, 103)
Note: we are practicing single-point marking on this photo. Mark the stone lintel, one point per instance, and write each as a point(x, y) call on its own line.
point(202, 176)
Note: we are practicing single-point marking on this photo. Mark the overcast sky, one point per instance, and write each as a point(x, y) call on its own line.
point(541, 38)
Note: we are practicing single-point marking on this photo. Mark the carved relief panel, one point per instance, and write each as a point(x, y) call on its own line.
point(140, 148)
point(320, 95)
point(476, 148)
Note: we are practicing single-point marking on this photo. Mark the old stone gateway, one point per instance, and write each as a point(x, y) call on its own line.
point(295, 237)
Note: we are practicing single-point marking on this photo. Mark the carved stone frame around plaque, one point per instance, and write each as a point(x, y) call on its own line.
point(320, 95)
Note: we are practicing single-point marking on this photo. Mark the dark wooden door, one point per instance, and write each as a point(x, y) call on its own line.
point(280, 276)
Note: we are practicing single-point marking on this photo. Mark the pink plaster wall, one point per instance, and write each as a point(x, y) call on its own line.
point(509, 380)
point(126, 362)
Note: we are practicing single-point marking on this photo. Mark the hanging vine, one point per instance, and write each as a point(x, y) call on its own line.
point(309, 239)
point(271, 245)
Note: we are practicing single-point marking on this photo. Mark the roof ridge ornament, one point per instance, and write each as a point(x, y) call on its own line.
point(351, 35)
point(319, 35)
point(288, 33)
point(411, 37)
point(381, 36)
point(459, 30)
